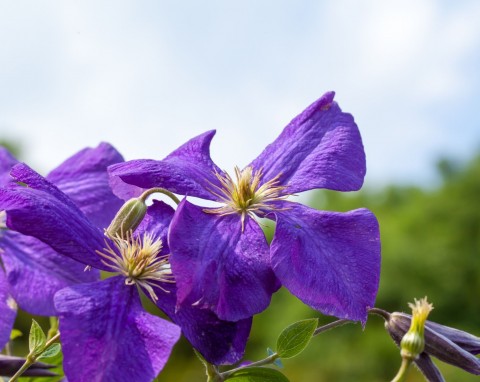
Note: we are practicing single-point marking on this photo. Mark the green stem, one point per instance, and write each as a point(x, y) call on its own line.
point(155, 190)
point(270, 359)
point(329, 326)
point(402, 373)
point(32, 358)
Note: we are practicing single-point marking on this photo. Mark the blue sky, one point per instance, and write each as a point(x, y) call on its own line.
point(148, 75)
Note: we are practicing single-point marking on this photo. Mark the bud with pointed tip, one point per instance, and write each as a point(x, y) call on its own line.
point(128, 218)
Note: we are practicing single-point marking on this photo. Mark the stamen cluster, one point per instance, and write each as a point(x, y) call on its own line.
point(137, 258)
point(245, 195)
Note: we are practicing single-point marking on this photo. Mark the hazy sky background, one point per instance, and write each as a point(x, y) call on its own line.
point(148, 75)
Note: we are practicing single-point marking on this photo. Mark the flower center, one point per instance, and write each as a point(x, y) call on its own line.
point(245, 195)
point(137, 258)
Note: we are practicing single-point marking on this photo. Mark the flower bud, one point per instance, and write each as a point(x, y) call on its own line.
point(128, 218)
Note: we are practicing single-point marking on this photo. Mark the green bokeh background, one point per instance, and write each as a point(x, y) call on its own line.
point(430, 247)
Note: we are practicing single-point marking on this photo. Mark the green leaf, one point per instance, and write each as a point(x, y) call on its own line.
point(257, 374)
point(36, 338)
point(295, 338)
point(15, 334)
point(51, 351)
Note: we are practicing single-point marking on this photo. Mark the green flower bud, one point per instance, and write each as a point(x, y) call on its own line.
point(128, 218)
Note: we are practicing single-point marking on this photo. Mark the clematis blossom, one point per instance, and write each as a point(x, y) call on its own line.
point(105, 333)
point(33, 271)
point(220, 257)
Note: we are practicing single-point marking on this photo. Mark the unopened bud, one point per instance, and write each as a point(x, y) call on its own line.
point(128, 218)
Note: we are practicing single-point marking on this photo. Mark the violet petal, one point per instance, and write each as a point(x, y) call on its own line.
point(329, 260)
point(188, 170)
point(36, 272)
point(219, 267)
point(320, 148)
point(8, 311)
point(7, 161)
point(107, 336)
point(84, 178)
point(428, 368)
point(220, 342)
point(47, 214)
point(156, 222)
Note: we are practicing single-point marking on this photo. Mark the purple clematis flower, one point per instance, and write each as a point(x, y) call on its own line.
point(34, 272)
point(109, 313)
point(220, 257)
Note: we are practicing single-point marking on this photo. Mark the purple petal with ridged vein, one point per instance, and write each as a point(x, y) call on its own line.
point(219, 267)
point(43, 211)
point(188, 170)
point(107, 336)
point(8, 311)
point(84, 178)
point(329, 260)
point(7, 161)
point(36, 272)
point(320, 148)
point(220, 342)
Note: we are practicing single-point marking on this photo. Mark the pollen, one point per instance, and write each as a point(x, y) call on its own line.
point(246, 194)
point(138, 259)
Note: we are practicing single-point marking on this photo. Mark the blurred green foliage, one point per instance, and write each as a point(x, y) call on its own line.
point(430, 247)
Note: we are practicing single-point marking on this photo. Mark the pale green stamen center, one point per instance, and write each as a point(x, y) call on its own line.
point(137, 258)
point(246, 195)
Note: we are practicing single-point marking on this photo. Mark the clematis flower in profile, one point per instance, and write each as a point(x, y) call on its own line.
point(220, 257)
point(449, 345)
point(105, 333)
point(33, 271)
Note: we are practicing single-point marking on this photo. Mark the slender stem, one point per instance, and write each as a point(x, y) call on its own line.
point(271, 358)
point(380, 312)
point(265, 361)
point(329, 326)
point(155, 190)
point(403, 371)
point(32, 358)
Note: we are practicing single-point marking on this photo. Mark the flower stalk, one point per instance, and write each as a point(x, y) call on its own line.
point(32, 358)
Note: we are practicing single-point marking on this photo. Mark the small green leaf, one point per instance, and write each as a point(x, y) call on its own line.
point(36, 338)
point(15, 334)
point(257, 374)
point(295, 338)
point(51, 351)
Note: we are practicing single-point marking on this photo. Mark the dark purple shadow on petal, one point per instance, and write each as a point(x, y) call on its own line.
point(36, 272)
point(107, 336)
point(84, 178)
point(42, 211)
point(188, 170)
point(8, 311)
point(7, 161)
point(329, 260)
point(156, 222)
point(219, 267)
point(220, 342)
point(466, 341)
point(320, 148)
